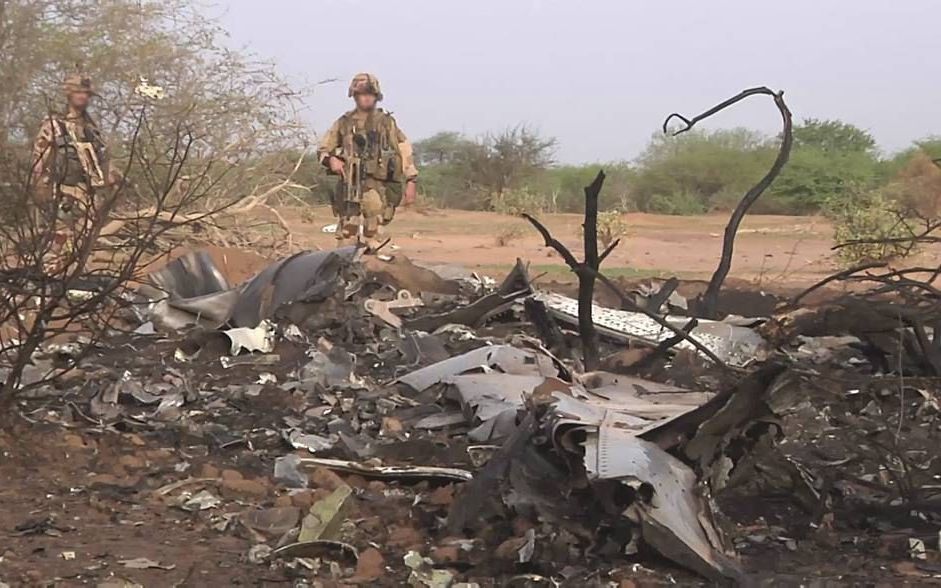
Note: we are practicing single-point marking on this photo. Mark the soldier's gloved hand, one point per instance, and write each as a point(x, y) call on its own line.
point(336, 165)
point(411, 192)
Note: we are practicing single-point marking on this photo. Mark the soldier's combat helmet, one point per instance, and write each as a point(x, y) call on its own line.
point(77, 82)
point(365, 83)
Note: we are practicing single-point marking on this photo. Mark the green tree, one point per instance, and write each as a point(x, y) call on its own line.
point(833, 136)
point(445, 178)
point(813, 178)
point(446, 147)
point(504, 161)
point(564, 186)
point(228, 100)
point(700, 170)
point(830, 161)
point(478, 173)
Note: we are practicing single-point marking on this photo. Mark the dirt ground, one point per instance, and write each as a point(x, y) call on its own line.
point(772, 250)
point(80, 505)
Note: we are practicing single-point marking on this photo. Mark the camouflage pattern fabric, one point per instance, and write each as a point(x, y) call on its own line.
point(386, 159)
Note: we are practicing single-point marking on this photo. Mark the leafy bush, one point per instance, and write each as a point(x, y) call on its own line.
point(679, 203)
point(813, 178)
point(693, 173)
point(872, 217)
point(611, 226)
point(686, 174)
point(917, 186)
point(507, 234)
point(517, 201)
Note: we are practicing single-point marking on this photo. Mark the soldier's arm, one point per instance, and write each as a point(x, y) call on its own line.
point(43, 153)
point(329, 144)
point(408, 156)
point(112, 175)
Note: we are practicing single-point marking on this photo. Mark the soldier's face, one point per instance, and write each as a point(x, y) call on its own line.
point(79, 100)
point(365, 101)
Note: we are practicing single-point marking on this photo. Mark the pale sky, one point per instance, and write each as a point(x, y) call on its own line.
point(600, 75)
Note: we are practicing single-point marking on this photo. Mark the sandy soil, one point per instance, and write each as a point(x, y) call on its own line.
point(770, 249)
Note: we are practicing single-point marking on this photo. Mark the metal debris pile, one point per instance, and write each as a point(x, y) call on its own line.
point(387, 424)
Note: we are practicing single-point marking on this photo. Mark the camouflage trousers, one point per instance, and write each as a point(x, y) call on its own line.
point(69, 216)
point(371, 213)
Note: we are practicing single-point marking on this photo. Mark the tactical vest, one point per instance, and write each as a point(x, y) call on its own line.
point(375, 143)
point(68, 166)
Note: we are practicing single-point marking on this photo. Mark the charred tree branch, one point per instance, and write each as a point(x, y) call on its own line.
point(586, 271)
point(710, 297)
point(834, 278)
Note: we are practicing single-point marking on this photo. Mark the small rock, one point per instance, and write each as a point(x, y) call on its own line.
point(158, 454)
point(324, 478)
point(405, 537)
point(371, 566)
point(33, 576)
point(283, 501)
point(510, 548)
point(302, 499)
point(391, 426)
point(442, 496)
point(445, 554)
point(132, 461)
point(136, 439)
point(74, 441)
point(232, 475)
point(358, 482)
point(250, 487)
point(208, 471)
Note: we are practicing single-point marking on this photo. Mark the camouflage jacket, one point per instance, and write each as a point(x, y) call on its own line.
point(55, 157)
point(376, 138)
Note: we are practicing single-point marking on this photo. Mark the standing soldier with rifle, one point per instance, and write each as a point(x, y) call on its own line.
point(373, 158)
point(70, 160)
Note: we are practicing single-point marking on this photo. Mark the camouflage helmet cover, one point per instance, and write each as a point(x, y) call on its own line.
point(78, 82)
point(365, 83)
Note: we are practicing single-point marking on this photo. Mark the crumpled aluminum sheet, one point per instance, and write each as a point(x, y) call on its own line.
point(190, 276)
point(677, 521)
point(733, 344)
point(505, 358)
point(292, 279)
point(191, 289)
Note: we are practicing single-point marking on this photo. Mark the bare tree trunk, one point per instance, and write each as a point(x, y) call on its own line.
point(586, 271)
point(586, 280)
point(710, 299)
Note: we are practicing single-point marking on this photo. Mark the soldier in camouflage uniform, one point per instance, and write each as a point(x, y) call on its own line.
point(70, 162)
point(374, 160)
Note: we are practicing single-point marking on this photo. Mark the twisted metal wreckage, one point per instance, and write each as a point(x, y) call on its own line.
point(644, 456)
point(539, 391)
